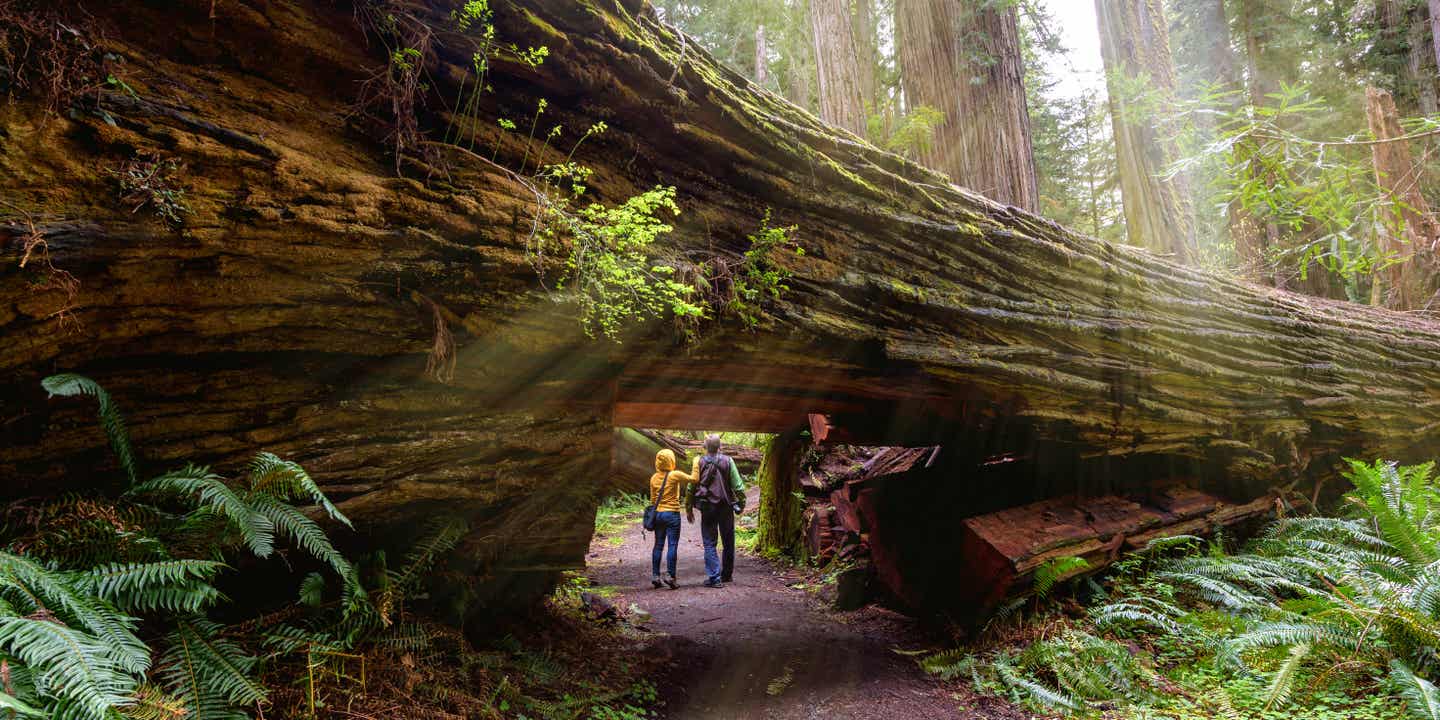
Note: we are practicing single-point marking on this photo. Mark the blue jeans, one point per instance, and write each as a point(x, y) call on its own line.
point(667, 526)
point(717, 522)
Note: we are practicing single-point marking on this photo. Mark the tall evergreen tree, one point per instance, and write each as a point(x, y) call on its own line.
point(964, 59)
point(1135, 45)
point(837, 62)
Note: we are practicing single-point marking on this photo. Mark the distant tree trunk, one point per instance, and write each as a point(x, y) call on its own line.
point(1249, 234)
point(781, 510)
point(1254, 237)
point(1135, 45)
point(1420, 61)
point(864, 28)
point(963, 58)
point(762, 60)
point(1409, 284)
point(1402, 25)
point(837, 62)
point(1435, 30)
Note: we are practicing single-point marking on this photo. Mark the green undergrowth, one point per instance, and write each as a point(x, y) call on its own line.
point(1318, 617)
point(117, 603)
point(617, 513)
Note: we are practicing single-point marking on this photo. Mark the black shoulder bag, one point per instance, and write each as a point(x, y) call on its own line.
point(649, 522)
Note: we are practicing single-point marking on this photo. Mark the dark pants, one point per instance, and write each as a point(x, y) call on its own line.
point(718, 522)
point(667, 526)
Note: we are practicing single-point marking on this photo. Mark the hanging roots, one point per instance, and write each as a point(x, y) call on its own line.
point(440, 365)
point(35, 255)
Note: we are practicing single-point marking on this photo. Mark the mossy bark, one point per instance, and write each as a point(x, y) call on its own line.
point(780, 522)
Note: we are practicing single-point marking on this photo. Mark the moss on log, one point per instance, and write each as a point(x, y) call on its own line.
point(293, 308)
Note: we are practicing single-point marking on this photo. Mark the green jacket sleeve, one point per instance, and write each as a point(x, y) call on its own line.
point(737, 483)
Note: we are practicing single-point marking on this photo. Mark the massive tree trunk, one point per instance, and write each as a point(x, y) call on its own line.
point(1411, 282)
point(1135, 44)
point(781, 508)
point(762, 57)
point(293, 307)
point(837, 63)
point(1403, 28)
point(863, 22)
point(1435, 30)
point(964, 60)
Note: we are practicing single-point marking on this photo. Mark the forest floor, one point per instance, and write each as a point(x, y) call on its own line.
point(766, 647)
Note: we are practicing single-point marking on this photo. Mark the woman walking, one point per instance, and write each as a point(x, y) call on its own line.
point(665, 489)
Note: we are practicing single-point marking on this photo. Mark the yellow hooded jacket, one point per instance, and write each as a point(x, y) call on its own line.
point(665, 463)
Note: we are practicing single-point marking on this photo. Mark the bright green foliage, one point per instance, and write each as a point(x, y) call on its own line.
point(607, 268)
point(912, 134)
point(1053, 570)
point(69, 627)
point(1061, 672)
point(70, 385)
point(1322, 197)
point(1321, 613)
point(760, 279)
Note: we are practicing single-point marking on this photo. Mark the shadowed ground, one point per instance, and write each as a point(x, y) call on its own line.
point(760, 648)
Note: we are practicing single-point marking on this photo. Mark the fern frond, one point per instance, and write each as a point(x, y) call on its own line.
point(152, 703)
point(70, 385)
point(1421, 696)
point(441, 538)
point(1054, 570)
point(123, 583)
point(312, 590)
point(309, 536)
point(1283, 683)
point(14, 705)
point(40, 591)
point(948, 664)
point(209, 673)
point(71, 665)
point(1036, 692)
point(198, 483)
point(285, 480)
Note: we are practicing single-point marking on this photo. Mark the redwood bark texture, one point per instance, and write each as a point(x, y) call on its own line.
point(963, 58)
point(1135, 45)
point(1435, 30)
point(837, 64)
point(293, 309)
point(1410, 283)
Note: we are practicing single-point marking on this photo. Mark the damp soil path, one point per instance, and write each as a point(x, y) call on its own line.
point(763, 648)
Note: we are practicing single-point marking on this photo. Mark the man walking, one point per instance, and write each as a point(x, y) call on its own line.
point(720, 492)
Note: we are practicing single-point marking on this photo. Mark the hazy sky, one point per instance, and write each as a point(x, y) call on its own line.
point(1080, 71)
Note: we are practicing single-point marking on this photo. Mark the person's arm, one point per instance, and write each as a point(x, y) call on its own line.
point(690, 491)
point(737, 483)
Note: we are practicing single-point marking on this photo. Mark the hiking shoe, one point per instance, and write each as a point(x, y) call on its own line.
point(727, 579)
point(671, 582)
point(714, 584)
point(655, 581)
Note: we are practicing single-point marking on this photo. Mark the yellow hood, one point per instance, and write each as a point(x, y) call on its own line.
point(664, 460)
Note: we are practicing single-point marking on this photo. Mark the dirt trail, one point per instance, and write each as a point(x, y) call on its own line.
point(759, 648)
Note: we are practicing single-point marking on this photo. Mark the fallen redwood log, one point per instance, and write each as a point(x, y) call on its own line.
point(293, 308)
point(1003, 550)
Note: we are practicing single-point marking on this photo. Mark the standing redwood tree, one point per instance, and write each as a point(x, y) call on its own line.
point(1135, 44)
point(837, 64)
point(762, 57)
point(1409, 284)
point(963, 58)
point(1435, 30)
point(1403, 25)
